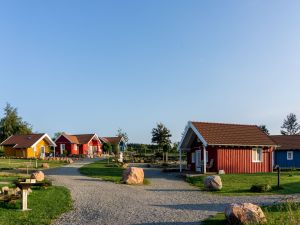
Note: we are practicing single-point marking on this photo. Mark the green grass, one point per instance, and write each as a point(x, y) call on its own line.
point(240, 184)
point(105, 171)
point(283, 214)
point(31, 163)
point(46, 205)
point(101, 169)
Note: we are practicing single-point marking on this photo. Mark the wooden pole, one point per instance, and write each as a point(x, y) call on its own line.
point(204, 159)
point(24, 199)
point(278, 176)
point(180, 163)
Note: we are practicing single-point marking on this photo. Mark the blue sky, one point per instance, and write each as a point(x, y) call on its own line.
point(96, 66)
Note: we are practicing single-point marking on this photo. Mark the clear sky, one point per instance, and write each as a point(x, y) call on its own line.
point(96, 66)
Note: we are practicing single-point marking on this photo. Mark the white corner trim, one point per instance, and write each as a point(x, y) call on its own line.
point(191, 126)
point(95, 136)
point(44, 136)
point(198, 134)
point(183, 136)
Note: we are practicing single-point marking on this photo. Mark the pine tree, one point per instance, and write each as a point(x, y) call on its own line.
point(290, 125)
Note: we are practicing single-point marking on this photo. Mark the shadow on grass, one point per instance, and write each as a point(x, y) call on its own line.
point(173, 190)
point(210, 207)
point(169, 223)
point(10, 205)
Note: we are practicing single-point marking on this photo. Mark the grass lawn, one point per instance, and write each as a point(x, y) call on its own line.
point(106, 171)
point(31, 163)
point(240, 184)
point(46, 205)
point(284, 214)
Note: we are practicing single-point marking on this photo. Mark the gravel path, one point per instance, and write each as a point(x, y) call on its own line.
point(167, 200)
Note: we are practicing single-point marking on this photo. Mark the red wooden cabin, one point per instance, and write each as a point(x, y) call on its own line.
point(86, 144)
point(233, 148)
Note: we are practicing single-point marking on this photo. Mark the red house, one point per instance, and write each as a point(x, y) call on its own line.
point(233, 148)
point(86, 144)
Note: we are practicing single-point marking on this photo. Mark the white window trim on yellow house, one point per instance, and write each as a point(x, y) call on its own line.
point(52, 143)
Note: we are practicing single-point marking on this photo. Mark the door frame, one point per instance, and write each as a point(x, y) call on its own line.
point(198, 166)
point(43, 151)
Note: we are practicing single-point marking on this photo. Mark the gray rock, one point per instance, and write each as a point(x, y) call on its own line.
point(213, 183)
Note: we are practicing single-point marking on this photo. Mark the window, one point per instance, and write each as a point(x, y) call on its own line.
point(62, 147)
point(290, 155)
point(206, 156)
point(75, 147)
point(193, 157)
point(257, 155)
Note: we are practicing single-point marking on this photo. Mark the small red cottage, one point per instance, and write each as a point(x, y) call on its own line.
point(86, 144)
point(230, 147)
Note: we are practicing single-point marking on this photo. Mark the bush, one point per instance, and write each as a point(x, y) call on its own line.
point(65, 152)
point(158, 155)
point(260, 188)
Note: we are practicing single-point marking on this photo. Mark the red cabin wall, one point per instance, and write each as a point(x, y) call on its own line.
point(239, 160)
point(63, 140)
point(234, 160)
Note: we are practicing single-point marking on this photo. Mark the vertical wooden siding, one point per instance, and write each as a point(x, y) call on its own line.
point(239, 160)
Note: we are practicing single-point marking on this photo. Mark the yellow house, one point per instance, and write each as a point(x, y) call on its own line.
point(28, 145)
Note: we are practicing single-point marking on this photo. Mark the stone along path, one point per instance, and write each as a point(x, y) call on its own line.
point(167, 200)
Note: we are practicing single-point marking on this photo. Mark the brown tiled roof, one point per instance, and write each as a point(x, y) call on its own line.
point(79, 138)
point(112, 140)
point(22, 140)
point(84, 138)
point(232, 134)
point(73, 139)
point(287, 142)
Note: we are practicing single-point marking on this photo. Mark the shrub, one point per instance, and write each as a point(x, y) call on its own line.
point(65, 152)
point(165, 165)
point(260, 188)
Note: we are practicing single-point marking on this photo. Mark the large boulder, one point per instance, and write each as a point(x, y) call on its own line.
point(245, 213)
point(5, 189)
point(133, 175)
point(39, 176)
point(70, 161)
point(213, 183)
point(45, 165)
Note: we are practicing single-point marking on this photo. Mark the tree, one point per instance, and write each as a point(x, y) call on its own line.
point(107, 147)
point(264, 129)
point(175, 146)
point(56, 135)
point(290, 125)
point(121, 133)
point(12, 124)
point(143, 149)
point(161, 136)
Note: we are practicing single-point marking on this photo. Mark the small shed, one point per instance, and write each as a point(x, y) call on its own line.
point(117, 142)
point(287, 154)
point(75, 144)
point(234, 148)
point(28, 145)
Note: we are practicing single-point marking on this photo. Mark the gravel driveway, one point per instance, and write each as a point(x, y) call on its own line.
point(167, 200)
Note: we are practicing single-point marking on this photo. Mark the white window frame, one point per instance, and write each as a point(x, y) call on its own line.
point(193, 157)
point(257, 155)
point(291, 154)
point(75, 147)
point(62, 147)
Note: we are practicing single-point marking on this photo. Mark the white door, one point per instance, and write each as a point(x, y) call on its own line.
point(43, 152)
point(198, 161)
point(90, 151)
